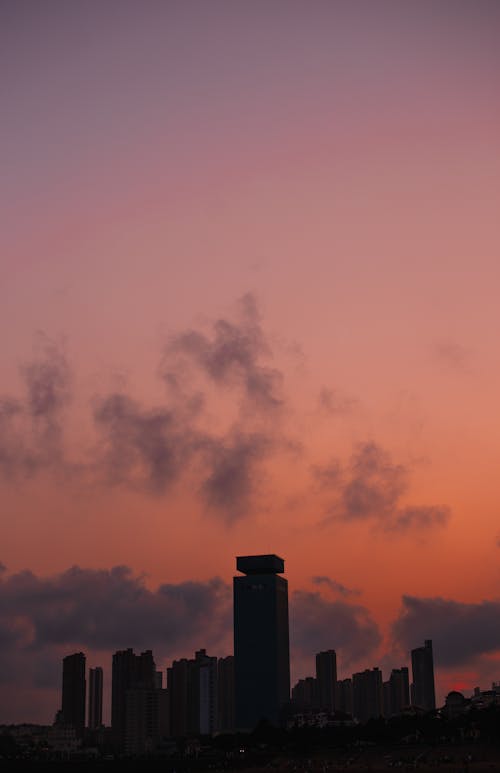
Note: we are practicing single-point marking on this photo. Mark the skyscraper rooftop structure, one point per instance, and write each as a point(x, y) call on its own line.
point(261, 641)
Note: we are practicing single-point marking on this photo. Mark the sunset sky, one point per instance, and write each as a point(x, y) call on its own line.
point(249, 303)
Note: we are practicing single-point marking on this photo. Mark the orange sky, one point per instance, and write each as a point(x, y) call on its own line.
point(249, 303)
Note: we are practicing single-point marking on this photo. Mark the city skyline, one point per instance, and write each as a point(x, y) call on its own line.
point(249, 274)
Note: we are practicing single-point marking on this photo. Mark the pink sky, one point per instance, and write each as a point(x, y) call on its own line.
point(291, 210)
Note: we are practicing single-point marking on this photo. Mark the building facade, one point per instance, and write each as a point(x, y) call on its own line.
point(95, 698)
point(326, 677)
point(367, 694)
point(261, 641)
point(423, 693)
point(130, 672)
point(73, 692)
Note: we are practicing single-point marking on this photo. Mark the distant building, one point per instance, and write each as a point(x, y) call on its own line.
point(367, 694)
point(455, 705)
point(143, 720)
point(73, 693)
point(423, 691)
point(130, 672)
point(344, 696)
point(261, 641)
point(305, 696)
point(326, 678)
point(95, 698)
point(225, 694)
point(192, 690)
point(396, 692)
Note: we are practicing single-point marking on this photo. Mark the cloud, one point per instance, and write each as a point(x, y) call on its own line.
point(420, 517)
point(460, 631)
point(371, 487)
point(318, 624)
point(453, 355)
point(31, 435)
point(334, 402)
point(335, 586)
point(233, 472)
point(231, 356)
point(146, 448)
point(109, 609)
point(375, 484)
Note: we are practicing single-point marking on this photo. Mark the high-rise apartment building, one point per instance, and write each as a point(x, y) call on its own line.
point(225, 694)
point(305, 695)
point(326, 677)
point(130, 672)
point(95, 698)
point(344, 696)
point(367, 694)
point(192, 690)
point(73, 692)
point(396, 692)
point(261, 641)
point(423, 692)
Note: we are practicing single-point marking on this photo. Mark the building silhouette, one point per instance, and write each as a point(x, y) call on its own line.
point(423, 693)
point(73, 693)
point(129, 672)
point(367, 694)
point(225, 694)
point(344, 696)
point(192, 690)
point(305, 697)
point(396, 692)
point(261, 641)
point(95, 698)
point(326, 678)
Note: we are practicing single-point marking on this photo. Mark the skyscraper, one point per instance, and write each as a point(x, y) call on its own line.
point(422, 690)
point(367, 694)
point(130, 672)
point(192, 690)
point(225, 694)
point(396, 692)
point(261, 641)
point(326, 677)
point(95, 698)
point(73, 692)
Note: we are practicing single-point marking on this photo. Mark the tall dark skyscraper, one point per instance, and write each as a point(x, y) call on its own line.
point(326, 678)
point(130, 672)
point(423, 692)
point(95, 698)
point(367, 694)
point(73, 692)
point(261, 641)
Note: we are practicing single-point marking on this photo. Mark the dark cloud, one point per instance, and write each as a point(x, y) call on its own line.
point(453, 355)
point(460, 631)
point(334, 402)
point(329, 475)
point(31, 435)
point(142, 447)
point(108, 610)
point(230, 356)
point(335, 586)
point(371, 486)
point(234, 472)
point(47, 381)
point(375, 484)
point(420, 517)
point(318, 624)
